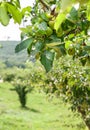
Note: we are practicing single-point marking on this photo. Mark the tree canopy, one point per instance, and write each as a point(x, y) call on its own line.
point(56, 28)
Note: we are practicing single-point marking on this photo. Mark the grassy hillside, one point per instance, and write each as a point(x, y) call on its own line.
point(40, 114)
point(8, 55)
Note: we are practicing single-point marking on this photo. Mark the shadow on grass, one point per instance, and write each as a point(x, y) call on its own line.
point(30, 109)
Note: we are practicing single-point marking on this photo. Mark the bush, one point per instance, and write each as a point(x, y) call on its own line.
point(22, 88)
point(70, 81)
point(8, 75)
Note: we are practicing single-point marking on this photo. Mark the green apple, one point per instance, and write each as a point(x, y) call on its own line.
point(51, 24)
point(71, 51)
point(59, 32)
point(49, 31)
point(40, 20)
point(49, 16)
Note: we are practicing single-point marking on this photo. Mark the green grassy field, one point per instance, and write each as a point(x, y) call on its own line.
point(40, 114)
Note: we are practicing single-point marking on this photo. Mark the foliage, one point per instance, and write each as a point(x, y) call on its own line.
point(22, 88)
point(67, 80)
point(56, 28)
point(32, 72)
point(22, 85)
point(24, 80)
point(70, 81)
point(8, 75)
point(54, 32)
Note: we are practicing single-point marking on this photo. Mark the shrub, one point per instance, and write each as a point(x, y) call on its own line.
point(70, 81)
point(22, 88)
point(8, 75)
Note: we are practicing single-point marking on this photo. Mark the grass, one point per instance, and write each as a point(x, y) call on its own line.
point(40, 113)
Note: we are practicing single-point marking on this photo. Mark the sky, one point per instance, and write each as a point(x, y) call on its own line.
point(12, 32)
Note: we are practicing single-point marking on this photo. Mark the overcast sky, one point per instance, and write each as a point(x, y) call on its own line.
point(12, 32)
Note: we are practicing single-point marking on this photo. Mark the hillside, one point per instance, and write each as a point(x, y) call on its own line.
point(8, 55)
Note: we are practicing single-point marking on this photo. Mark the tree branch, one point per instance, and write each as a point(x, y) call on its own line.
point(44, 4)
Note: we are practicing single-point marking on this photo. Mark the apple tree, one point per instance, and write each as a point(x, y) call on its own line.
point(56, 28)
point(71, 82)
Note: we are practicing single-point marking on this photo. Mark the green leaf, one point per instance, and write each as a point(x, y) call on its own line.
point(67, 44)
point(73, 15)
point(16, 14)
point(88, 10)
point(24, 44)
point(66, 4)
point(58, 52)
point(4, 18)
point(62, 49)
point(43, 16)
point(47, 58)
point(27, 29)
point(60, 18)
point(29, 48)
point(83, 61)
point(26, 9)
point(53, 44)
point(16, 3)
point(87, 48)
point(39, 45)
point(42, 26)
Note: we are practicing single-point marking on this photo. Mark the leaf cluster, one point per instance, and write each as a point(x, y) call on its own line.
point(57, 29)
point(71, 82)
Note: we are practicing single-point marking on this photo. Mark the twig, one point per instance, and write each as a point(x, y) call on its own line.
point(44, 4)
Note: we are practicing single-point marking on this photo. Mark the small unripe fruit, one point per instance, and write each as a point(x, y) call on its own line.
point(51, 24)
point(49, 16)
point(49, 31)
point(71, 51)
point(40, 20)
